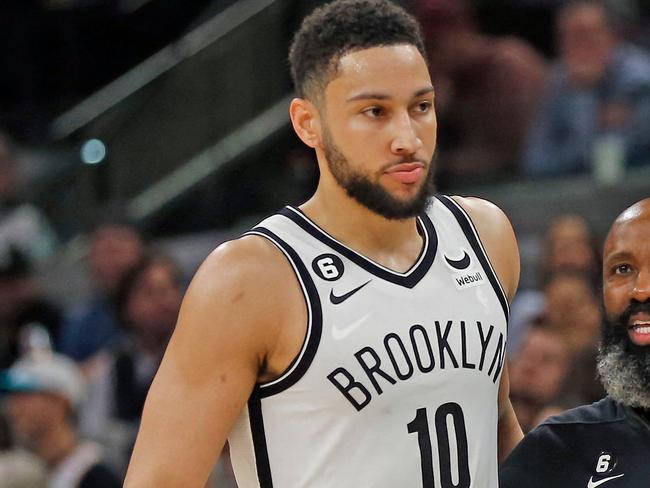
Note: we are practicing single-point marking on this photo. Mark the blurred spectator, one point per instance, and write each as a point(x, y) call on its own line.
point(569, 246)
point(556, 329)
point(148, 300)
point(582, 386)
point(486, 92)
point(18, 468)
point(533, 19)
point(537, 373)
point(115, 247)
point(22, 305)
point(22, 225)
point(573, 310)
point(44, 393)
point(599, 90)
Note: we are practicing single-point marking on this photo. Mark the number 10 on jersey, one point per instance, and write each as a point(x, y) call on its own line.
point(420, 426)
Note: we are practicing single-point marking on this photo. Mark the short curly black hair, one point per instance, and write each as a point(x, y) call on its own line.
point(340, 27)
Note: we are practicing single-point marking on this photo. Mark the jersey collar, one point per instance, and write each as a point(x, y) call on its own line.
point(407, 279)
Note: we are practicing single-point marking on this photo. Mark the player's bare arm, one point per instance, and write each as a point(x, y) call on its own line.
point(500, 243)
point(509, 431)
point(229, 336)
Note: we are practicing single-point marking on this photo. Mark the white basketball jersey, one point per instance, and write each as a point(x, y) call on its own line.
point(397, 381)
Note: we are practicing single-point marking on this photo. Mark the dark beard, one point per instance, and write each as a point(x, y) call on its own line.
point(624, 367)
point(371, 195)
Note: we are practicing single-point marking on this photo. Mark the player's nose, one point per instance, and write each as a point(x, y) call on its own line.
point(405, 139)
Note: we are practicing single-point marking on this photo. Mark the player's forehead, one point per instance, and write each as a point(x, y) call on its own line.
point(390, 70)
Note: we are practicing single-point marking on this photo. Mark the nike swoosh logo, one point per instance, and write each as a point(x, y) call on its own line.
point(340, 299)
point(594, 484)
point(460, 264)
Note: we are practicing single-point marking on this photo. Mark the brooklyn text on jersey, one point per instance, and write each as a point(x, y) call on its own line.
point(397, 380)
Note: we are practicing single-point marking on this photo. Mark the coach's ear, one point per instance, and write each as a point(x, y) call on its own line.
point(305, 119)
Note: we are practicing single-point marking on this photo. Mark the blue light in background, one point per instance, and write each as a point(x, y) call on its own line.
point(93, 151)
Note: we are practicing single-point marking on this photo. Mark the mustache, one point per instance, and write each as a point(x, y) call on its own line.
point(634, 307)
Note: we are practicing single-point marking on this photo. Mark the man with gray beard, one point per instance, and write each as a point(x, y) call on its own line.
point(607, 443)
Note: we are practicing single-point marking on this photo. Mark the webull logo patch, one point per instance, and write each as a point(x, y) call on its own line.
point(468, 280)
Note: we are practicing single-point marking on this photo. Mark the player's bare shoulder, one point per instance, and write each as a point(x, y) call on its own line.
point(246, 265)
point(249, 289)
point(484, 214)
point(498, 237)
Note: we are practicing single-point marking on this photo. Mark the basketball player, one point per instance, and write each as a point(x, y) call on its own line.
point(358, 340)
point(607, 443)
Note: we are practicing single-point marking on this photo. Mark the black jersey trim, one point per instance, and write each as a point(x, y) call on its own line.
point(259, 440)
point(300, 363)
point(466, 224)
point(409, 279)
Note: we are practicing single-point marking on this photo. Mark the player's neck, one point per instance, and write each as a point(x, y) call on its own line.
point(395, 244)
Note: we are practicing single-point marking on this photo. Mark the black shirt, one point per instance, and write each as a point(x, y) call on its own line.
point(605, 444)
point(99, 476)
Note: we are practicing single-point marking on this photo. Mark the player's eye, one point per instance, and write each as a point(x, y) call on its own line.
point(374, 112)
point(423, 107)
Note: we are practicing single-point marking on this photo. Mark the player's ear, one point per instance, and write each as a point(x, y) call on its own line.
point(305, 119)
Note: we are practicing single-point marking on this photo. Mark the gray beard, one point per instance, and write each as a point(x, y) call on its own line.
point(624, 377)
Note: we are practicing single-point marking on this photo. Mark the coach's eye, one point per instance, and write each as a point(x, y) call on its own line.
point(622, 269)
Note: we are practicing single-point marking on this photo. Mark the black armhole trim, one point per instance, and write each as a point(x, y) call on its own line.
point(259, 440)
point(301, 363)
point(408, 280)
point(472, 236)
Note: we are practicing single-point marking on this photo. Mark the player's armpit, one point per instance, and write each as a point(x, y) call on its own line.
point(227, 327)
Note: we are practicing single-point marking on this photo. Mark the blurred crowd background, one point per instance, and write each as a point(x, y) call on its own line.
point(137, 135)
